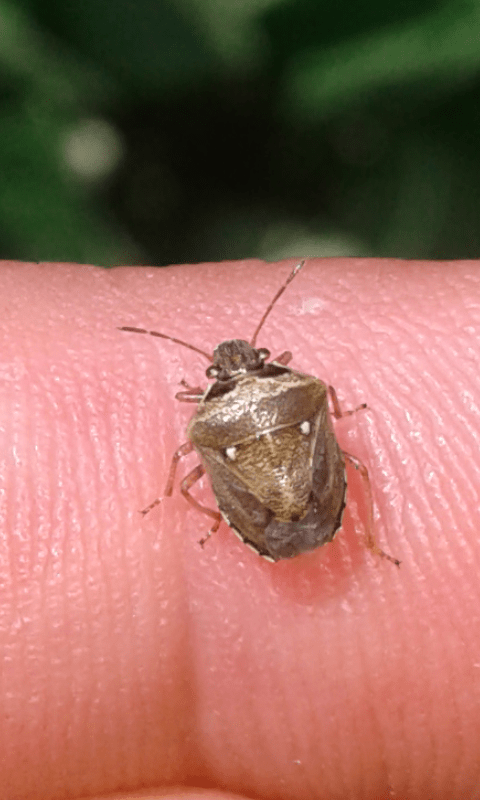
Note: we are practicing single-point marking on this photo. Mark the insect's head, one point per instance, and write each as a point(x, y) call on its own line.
point(233, 357)
point(236, 357)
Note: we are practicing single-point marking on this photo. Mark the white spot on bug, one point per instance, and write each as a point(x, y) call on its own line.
point(231, 453)
point(305, 428)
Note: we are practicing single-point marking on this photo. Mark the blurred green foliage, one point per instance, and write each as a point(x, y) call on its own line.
point(190, 130)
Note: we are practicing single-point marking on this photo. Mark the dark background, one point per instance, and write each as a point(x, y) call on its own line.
point(144, 131)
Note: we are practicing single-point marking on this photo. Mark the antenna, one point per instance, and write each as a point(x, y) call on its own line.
point(170, 338)
point(277, 296)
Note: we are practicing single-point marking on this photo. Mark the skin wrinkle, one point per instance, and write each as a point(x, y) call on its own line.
point(450, 486)
point(417, 630)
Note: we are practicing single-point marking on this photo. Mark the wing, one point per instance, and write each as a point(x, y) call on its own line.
point(325, 507)
point(243, 512)
point(252, 510)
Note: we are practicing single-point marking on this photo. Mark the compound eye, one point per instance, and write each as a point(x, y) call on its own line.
point(263, 353)
point(212, 372)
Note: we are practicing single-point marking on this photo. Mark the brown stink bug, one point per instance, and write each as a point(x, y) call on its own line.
point(264, 436)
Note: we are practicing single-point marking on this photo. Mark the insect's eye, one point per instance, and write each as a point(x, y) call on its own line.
point(212, 372)
point(230, 453)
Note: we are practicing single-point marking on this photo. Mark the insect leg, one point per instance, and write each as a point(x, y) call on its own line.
point(370, 538)
point(283, 358)
point(182, 451)
point(337, 411)
point(189, 388)
point(192, 394)
point(189, 397)
point(185, 486)
point(156, 502)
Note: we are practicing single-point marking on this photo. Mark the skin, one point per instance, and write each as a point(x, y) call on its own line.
point(132, 658)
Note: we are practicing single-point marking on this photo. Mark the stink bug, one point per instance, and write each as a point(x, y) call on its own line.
point(264, 436)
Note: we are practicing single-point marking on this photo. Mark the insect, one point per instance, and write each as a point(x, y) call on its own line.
point(266, 441)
